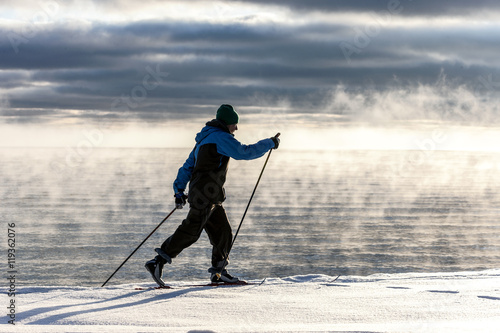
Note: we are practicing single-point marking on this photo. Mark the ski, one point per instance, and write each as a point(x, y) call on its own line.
point(221, 284)
point(212, 284)
point(151, 288)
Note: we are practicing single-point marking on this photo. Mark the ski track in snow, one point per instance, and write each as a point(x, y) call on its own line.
point(420, 302)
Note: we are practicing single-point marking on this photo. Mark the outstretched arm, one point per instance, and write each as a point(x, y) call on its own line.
point(231, 147)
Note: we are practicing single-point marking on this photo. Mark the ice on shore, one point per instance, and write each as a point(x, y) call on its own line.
point(423, 302)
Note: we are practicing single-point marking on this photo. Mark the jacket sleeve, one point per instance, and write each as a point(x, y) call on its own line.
point(227, 145)
point(184, 173)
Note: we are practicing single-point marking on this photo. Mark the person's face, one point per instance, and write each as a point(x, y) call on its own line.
point(232, 128)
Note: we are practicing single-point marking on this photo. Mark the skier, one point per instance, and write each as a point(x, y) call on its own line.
point(205, 169)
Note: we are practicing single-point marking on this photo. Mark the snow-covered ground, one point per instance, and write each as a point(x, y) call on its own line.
point(447, 302)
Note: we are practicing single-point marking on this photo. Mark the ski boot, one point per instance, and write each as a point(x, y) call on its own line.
point(217, 274)
point(155, 266)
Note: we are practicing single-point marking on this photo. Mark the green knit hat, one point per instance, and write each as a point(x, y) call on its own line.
point(227, 114)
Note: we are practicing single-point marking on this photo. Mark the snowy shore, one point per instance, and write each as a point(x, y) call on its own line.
point(446, 302)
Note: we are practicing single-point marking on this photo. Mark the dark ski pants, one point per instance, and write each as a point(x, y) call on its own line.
point(213, 220)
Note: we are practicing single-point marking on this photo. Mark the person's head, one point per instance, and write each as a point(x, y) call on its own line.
point(228, 115)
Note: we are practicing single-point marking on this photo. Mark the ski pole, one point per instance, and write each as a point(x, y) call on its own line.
point(137, 248)
point(245, 213)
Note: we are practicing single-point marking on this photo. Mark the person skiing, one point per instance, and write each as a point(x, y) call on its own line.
point(205, 170)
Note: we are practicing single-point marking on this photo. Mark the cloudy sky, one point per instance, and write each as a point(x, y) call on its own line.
point(156, 70)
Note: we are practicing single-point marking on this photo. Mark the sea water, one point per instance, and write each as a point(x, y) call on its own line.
point(78, 216)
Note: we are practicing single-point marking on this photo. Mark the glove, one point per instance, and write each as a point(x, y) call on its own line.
point(180, 199)
point(276, 141)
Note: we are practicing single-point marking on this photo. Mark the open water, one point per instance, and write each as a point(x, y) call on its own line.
point(77, 217)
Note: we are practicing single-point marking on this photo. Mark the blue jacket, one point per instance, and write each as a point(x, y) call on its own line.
point(206, 167)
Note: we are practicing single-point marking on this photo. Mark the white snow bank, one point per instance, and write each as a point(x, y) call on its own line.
point(453, 302)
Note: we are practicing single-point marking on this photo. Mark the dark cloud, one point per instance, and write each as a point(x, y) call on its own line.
point(159, 70)
point(403, 7)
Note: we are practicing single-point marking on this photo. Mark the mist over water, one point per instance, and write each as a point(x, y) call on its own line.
point(328, 212)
